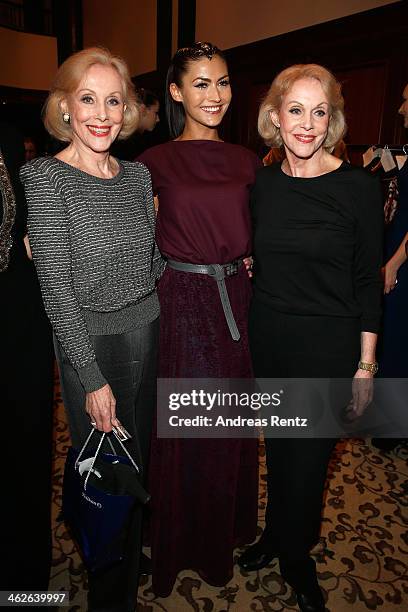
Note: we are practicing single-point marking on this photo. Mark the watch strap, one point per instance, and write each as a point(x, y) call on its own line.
point(369, 367)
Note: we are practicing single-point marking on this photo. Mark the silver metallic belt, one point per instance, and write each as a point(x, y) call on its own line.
point(218, 272)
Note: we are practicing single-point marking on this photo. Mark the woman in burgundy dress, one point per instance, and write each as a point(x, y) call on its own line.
point(204, 491)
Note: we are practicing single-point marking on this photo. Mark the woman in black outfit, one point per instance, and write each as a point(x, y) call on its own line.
point(26, 390)
point(316, 307)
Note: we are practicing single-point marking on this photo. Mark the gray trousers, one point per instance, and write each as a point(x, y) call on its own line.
point(129, 364)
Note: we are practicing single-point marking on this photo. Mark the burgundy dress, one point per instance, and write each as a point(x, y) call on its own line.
point(204, 491)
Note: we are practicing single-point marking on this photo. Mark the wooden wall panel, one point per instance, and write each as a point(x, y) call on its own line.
point(231, 23)
point(364, 93)
point(368, 52)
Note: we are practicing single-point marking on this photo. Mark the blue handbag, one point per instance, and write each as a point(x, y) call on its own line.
point(99, 493)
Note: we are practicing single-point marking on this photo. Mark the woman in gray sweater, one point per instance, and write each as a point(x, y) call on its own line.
point(91, 228)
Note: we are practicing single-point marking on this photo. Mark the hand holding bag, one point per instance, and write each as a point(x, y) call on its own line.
point(100, 491)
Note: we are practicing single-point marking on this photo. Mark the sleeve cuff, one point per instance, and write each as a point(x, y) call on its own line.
point(91, 377)
point(160, 266)
point(370, 324)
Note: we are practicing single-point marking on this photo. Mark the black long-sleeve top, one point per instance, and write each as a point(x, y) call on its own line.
point(318, 243)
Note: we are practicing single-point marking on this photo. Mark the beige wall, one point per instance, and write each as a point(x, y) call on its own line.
point(126, 27)
point(230, 23)
point(28, 61)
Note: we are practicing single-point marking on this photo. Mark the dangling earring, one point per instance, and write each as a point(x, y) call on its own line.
point(66, 118)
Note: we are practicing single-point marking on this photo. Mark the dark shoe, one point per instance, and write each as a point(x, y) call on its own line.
point(145, 567)
point(310, 602)
point(255, 557)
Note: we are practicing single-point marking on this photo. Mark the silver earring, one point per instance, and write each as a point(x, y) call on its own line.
point(66, 118)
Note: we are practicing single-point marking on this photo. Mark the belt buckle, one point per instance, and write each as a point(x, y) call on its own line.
point(231, 268)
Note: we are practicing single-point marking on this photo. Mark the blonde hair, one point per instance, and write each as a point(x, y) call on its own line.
point(282, 84)
point(66, 81)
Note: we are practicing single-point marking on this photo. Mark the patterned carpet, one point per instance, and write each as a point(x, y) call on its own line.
point(362, 559)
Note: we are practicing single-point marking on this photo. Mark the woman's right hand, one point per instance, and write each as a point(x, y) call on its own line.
point(101, 408)
point(248, 262)
point(27, 247)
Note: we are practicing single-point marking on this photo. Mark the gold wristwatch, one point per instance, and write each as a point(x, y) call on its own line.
point(369, 367)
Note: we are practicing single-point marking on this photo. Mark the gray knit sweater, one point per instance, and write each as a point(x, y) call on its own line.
point(93, 247)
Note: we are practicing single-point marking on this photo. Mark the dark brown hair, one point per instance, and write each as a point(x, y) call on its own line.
point(178, 67)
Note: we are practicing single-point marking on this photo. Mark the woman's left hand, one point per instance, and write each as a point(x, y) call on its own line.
point(390, 276)
point(362, 394)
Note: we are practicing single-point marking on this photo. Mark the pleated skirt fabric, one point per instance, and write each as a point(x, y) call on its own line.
point(204, 491)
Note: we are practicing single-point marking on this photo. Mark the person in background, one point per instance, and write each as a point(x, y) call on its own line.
point(27, 377)
point(393, 361)
point(91, 228)
point(30, 147)
point(149, 107)
point(340, 151)
point(274, 155)
point(317, 299)
point(204, 491)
